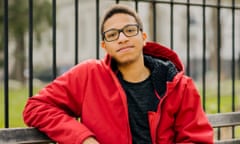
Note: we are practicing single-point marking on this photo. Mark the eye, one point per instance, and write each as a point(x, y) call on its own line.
point(111, 34)
point(130, 30)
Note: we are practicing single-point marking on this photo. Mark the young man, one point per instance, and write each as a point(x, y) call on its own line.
point(137, 94)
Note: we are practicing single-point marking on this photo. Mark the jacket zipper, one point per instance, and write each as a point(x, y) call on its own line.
point(159, 116)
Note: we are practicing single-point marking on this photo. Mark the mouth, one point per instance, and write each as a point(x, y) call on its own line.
point(125, 48)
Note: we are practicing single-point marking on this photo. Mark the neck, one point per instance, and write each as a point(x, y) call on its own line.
point(134, 72)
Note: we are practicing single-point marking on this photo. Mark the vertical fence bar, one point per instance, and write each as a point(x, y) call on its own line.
point(136, 5)
point(97, 29)
point(204, 55)
point(188, 38)
point(219, 55)
point(233, 62)
point(218, 62)
point(154, 20)
point(6, 86)
point(233, 55)
point(30, 49)
point(54, 39)
point(171, 24)
point(76, 31)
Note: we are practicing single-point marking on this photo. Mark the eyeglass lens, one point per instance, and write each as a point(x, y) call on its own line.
point(128, 30)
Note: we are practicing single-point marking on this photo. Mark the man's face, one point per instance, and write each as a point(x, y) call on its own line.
point(125, 48)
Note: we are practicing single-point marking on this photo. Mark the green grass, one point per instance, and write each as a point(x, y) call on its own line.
point(225, 104)
point(17, 99)
point(225, 100)
point(18, 96)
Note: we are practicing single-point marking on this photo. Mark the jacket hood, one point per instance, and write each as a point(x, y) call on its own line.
point(161, 52)
point(158, 51)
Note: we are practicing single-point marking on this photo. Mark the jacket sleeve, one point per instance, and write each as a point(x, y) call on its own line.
point(191, 124)
point(55, 108)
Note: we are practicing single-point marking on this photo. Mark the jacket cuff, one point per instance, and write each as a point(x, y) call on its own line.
point(85, 135)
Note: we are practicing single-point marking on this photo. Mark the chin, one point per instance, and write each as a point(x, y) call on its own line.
point(125, 61)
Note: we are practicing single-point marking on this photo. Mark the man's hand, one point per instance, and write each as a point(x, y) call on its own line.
point(90, 140)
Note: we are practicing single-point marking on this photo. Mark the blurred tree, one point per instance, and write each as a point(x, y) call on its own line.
point(18, 17)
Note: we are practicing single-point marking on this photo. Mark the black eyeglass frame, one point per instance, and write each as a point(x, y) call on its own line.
point(122, 30)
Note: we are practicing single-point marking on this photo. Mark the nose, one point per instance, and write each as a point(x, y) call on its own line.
point(122, 37)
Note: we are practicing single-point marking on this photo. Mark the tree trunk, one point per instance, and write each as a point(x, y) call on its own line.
point(19, 57)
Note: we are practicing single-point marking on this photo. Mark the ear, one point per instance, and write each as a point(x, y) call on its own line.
point(144, 36)
point(103, 45)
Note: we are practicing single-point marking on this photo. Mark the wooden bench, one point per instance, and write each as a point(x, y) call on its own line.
point(221, 120)
point(32, 135)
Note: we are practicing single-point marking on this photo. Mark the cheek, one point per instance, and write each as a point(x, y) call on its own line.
point(140, 42)
point(109, 49)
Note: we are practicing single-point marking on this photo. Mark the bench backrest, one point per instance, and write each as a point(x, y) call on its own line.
point(32, 135)
point(225, 120)
point(23, 135)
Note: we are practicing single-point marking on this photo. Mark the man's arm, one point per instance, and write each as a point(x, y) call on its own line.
point(191, 123)
point(55, 108)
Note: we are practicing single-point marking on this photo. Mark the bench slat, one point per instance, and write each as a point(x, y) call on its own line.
point(23, 135)
point(230, 141)
point(224, 119)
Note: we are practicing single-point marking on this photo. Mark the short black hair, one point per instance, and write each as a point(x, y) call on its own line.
point(117, 9)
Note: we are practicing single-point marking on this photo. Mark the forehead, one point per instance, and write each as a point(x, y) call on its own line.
point(119, 21)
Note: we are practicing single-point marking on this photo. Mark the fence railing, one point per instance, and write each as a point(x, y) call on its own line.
point(206, 35)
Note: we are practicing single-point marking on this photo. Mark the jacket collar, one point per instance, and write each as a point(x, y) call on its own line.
point(161, 73)
point(162, 52)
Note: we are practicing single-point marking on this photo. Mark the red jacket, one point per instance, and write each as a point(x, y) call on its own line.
point(92, 92)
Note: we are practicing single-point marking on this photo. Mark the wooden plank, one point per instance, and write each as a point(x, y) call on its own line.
point(230, 141)
point(224, 119)
point(23, 135)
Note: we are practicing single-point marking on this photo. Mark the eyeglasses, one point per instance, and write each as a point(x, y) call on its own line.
point(128, 30)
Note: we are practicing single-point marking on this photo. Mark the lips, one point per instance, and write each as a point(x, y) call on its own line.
point(125, 48)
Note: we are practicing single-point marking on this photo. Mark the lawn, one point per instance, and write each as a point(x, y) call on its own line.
point(225, 96)
point(17, 99)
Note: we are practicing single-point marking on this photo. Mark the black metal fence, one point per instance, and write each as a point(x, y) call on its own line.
point(206, 35)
